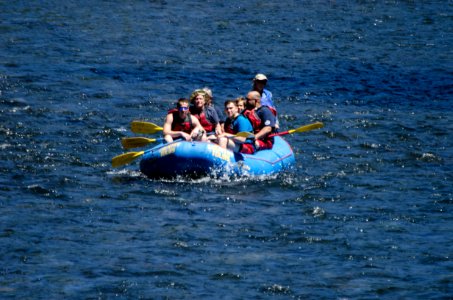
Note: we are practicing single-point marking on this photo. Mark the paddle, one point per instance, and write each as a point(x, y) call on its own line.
point(300, 129)
point(125, 158)
point(291, 131)
point(145, 127)
point(135, 142)
point(244, 134)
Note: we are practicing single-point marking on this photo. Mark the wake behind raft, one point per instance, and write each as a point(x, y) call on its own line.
point(200, 159)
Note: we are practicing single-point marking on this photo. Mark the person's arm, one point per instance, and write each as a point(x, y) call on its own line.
point(218, 129)
point(213, 118)
point(197, 128)
point(167, 125)
point(265, 131)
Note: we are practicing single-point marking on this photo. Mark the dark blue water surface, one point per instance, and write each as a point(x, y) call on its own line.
point(365, 214)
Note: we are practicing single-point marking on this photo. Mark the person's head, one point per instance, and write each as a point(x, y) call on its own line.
point(183, 107)
point(253, 100)
point(240, 101)
point(231, 108)
point(259, 82)
point(198, 99)
point(208, 96)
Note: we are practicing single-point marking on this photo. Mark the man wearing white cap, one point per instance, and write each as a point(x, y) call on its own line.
point(259, 82)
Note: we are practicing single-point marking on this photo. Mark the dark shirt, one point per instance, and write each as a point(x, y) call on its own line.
point(220, 113)
point(266, 116)
point(212, 115)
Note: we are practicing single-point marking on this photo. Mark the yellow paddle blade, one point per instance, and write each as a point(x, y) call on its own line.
point(145, 127)
point(125, 158)
point(307, 127)
point(245, 134)
point(135, 142)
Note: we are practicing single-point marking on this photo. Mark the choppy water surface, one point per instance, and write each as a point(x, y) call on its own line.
point(366, 213)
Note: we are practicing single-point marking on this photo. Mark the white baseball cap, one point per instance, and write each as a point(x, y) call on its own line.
point(260, 77)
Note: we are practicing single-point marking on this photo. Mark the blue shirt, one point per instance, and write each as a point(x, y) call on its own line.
point(266, 99)
point(241, 124)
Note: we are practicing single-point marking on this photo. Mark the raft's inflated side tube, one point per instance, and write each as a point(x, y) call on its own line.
point(198, 159)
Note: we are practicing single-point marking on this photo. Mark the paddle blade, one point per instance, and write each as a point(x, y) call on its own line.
point(245, 134)
point(307, 127)
point(125, 158)
point(145, 127)
point(135, 142)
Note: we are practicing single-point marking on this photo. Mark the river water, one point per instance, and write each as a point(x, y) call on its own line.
point(365, 214)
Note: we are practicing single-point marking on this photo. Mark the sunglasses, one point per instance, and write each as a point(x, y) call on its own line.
point(183, 108)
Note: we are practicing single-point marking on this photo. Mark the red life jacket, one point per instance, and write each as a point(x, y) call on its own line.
point(228, 126)
point(208, 126)
point(255, 120)
point(180, 124)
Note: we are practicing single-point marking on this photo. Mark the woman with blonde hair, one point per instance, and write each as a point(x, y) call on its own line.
point(205, 114)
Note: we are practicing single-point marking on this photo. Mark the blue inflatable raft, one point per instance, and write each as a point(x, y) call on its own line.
point(199, 159)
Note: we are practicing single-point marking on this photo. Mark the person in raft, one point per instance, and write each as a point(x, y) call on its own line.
point(241, 103)
point(263, 123)
point(234, 123)
point(259, 84)
point(179, 123)
point(210, 102)
point(206, 115)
